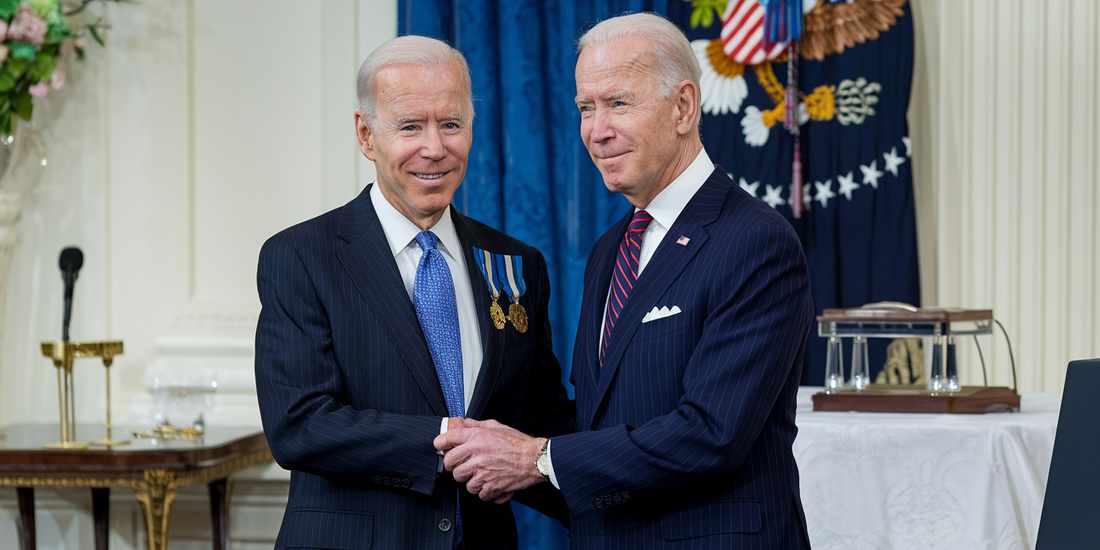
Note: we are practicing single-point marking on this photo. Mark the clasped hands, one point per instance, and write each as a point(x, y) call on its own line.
point(493, 460)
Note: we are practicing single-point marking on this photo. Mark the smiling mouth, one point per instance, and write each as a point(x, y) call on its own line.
point(428, 176)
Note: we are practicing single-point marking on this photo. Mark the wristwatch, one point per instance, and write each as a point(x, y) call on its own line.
point(542, 463)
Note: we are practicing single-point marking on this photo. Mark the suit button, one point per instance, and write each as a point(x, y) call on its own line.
point(598, 503)
point(406, 483)
point(387, 481)
point(626, 495)
point(617, 498)
point(444, 525)
point(377, 479)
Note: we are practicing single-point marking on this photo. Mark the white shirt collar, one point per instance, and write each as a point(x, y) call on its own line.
point(668, 204)
point(400, 231)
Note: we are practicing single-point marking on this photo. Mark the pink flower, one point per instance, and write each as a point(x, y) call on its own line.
point(39, 90)
point(3, 29)
point(57, 79)
point(3, 52)
point(27, 26)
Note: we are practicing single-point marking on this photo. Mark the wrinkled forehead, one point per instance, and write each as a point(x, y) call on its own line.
point(444, 86)
point(620, 63)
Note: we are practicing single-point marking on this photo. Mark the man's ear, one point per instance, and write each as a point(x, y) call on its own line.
point(687, 106)
point(364, 135)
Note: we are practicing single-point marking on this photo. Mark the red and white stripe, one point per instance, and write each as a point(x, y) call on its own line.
point(743, 33)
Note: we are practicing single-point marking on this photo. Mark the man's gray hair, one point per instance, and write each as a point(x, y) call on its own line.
point(674, 60)
point(420, 51)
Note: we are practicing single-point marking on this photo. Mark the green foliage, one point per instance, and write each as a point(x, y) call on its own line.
point(8, 8)
point(22, 104)
point(42, 67)
point(7, 82)
point(22, 50)
point(705, 12)
point(17, 66)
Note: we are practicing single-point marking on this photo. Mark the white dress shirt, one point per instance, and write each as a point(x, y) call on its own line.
point(664, 208)
point(400, 233)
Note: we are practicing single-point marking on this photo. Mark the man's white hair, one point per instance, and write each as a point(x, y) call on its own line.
point(674, 60)
point(420, 51)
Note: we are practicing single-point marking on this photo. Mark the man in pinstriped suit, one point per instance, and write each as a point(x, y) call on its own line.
point(694, 320)
point(349, 383)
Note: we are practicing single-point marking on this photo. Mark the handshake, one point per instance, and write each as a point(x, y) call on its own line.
point(493, 460)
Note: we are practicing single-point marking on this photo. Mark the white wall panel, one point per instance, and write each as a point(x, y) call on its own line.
point(1004, 104)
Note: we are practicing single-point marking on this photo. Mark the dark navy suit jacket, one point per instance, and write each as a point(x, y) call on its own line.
point(350, 399)
point(684, 434)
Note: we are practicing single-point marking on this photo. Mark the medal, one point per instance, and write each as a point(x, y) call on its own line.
point(512, 281)
point(518, 316)
point(497, 314)
point(485, 265)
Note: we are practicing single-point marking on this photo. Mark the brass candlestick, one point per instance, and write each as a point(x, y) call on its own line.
point(63, 354)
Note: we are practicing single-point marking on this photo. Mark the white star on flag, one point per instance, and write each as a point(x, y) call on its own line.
point(750, 187)
point(893, 161)
point(847, 185)
point(908, 146)
point(824, 192)
point(773, 196)
point(807, 202)
point(871, 174)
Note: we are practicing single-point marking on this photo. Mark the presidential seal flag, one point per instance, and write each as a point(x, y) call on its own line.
point(853, 204)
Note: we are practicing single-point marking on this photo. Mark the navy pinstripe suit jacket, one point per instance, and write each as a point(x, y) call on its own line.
point(350, 399)
point(684, 435)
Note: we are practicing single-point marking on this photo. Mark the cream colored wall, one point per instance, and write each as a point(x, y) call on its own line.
point(204, 127)
point(1005, 127)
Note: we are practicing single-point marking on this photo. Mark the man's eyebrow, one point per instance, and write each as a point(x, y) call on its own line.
point(614, 96)
point(401, 121)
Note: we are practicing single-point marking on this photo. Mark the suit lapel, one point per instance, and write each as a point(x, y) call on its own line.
point(668, 262)
point(586, 356)
point(370, 265)
point(492, 340)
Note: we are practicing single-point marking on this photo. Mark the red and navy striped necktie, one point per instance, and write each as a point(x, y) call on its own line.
point(626, 273)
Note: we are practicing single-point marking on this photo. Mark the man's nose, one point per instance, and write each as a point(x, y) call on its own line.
point(602, 127)
point(432, 146)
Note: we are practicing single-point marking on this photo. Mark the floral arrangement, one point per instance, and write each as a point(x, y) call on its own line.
point(34, 37)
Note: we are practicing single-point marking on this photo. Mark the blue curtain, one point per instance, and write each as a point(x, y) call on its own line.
point(529, 174)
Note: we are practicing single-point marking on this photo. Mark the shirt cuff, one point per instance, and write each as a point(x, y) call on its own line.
point(443, 430)
point(550, 464)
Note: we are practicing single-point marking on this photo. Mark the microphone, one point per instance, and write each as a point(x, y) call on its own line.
point(71, 261)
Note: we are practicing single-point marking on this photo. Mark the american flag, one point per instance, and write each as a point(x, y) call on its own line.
point(743, 33)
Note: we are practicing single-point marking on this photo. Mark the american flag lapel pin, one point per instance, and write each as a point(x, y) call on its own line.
point(683, 241)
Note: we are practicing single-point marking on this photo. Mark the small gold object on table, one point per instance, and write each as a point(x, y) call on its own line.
point(63, 353)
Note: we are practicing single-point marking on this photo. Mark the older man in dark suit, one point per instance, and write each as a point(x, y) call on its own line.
point(382, 323)
point(694, 320)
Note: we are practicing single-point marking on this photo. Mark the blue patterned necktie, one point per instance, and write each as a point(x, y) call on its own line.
point(626, 273)
point(437, 310)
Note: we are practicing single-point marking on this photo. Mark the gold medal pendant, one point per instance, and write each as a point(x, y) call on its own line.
point(497, 314)
point(518, 316)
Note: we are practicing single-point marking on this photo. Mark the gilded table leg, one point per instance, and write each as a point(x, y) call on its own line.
point(26, 517)
point(219, 513)
point(101, 511)
point(156, 497)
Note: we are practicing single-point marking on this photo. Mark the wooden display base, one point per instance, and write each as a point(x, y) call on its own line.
point(907, 399)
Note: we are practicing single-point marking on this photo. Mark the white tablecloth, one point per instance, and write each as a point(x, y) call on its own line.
point(881, 481)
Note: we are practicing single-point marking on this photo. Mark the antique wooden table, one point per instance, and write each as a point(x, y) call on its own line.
point(153, 468)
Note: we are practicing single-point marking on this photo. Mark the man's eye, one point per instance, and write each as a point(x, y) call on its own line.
point(450, 126)
point(409, 128)
point(585, 108)
point(618, 104)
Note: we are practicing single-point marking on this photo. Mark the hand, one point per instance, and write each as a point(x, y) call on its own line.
point(493, 460)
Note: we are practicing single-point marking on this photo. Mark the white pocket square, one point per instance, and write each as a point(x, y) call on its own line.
point(660, 313)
